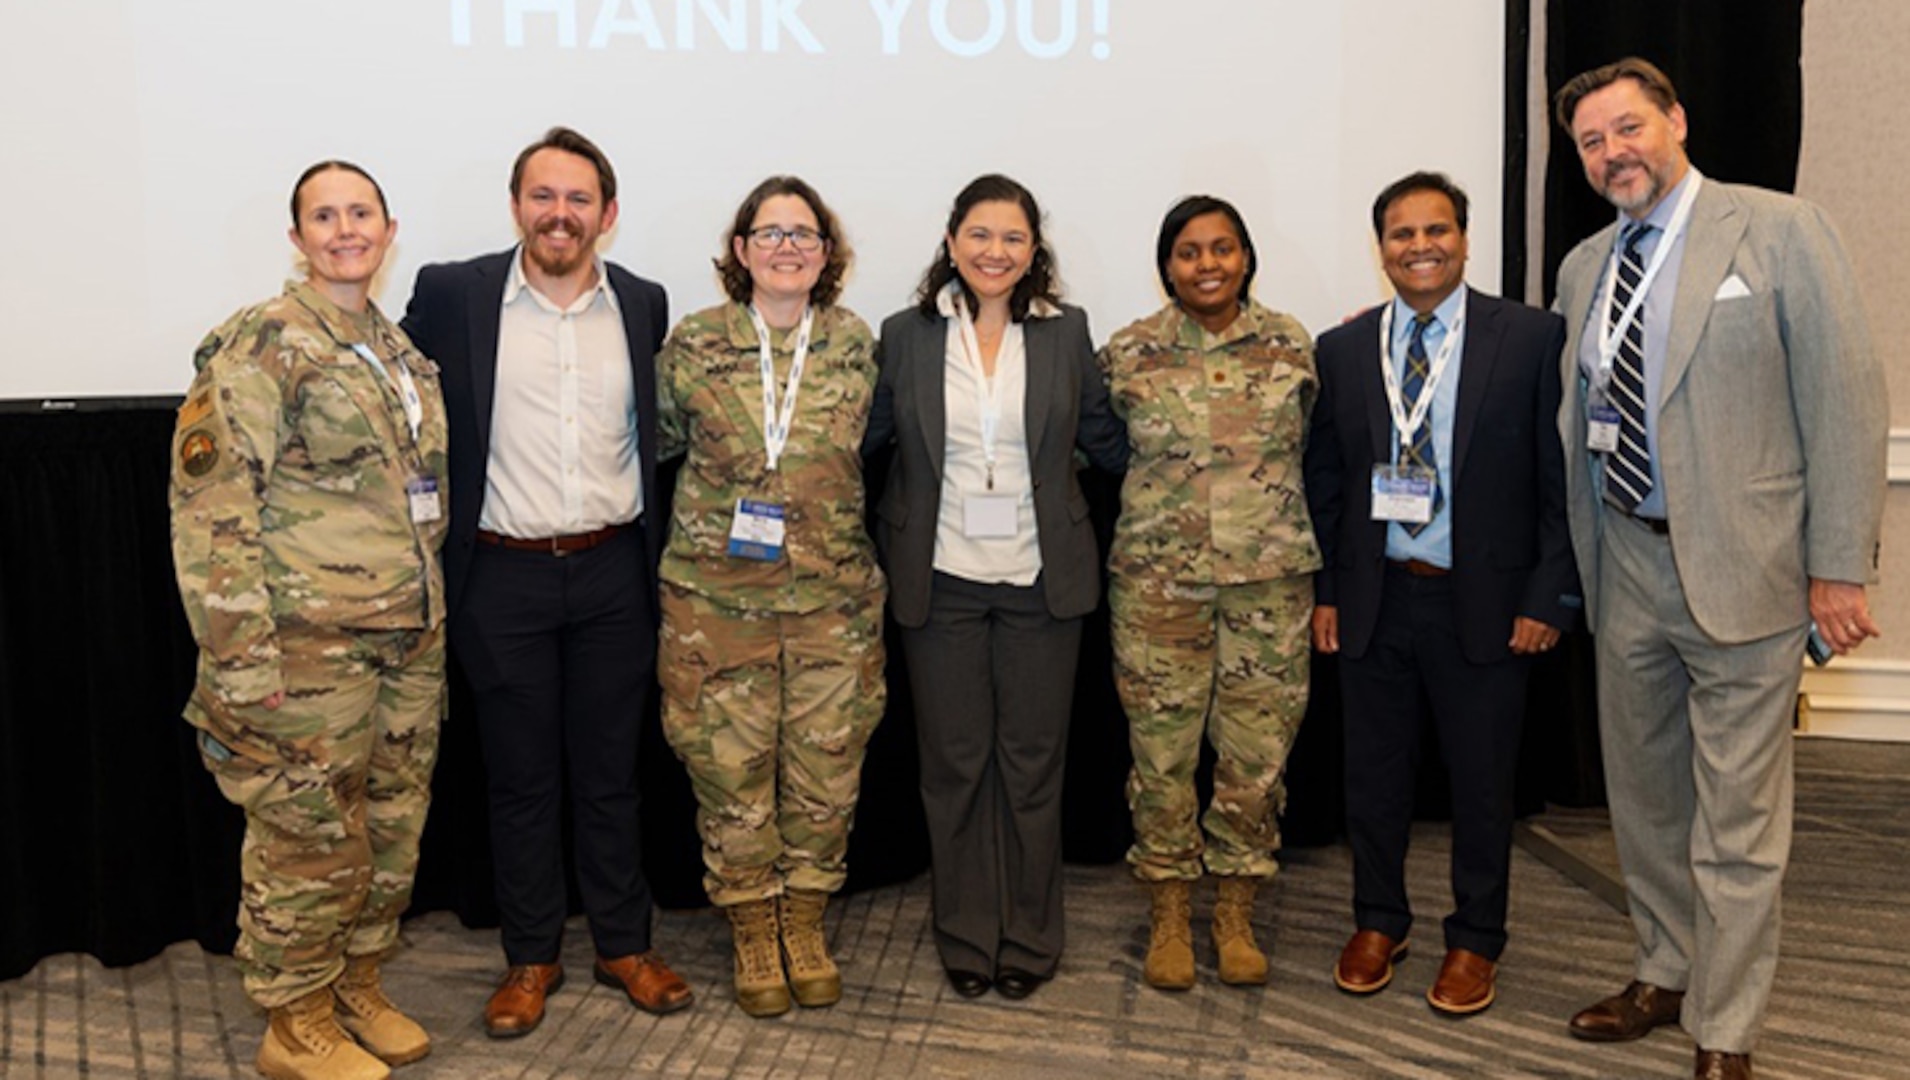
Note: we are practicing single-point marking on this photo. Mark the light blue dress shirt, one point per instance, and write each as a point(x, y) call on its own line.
point(1434, 542)
point(1657, 313)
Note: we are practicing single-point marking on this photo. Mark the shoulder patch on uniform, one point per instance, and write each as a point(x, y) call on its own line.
point(196, 408)
point(198, 453)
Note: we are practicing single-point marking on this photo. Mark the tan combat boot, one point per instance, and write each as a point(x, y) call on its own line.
point(1241, 961)
point(1170, 940)
point(761, 989)
point(365, 1011)
point(304, 1042)
point(813, 976)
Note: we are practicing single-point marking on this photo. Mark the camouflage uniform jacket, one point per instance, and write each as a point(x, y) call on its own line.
point(710, 403)
point(290, 461)
point(1217, 423)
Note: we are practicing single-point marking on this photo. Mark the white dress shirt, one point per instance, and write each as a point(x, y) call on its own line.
point(563, 455)
point(1012, 560)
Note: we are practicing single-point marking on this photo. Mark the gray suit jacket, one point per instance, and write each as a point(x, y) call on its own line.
point(1066, 404)
point(1772, 421)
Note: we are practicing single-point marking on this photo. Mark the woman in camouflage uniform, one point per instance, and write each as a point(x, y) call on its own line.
point(771, 651)
point(307, 516)
point(1211, 592)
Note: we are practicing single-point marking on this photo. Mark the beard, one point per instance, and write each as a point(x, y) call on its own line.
point(1645, 196)
point(561, 265)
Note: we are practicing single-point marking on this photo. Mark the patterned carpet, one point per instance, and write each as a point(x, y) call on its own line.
point(1843, 984)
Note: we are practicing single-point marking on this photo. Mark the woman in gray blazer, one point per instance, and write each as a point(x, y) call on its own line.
point(987, 386)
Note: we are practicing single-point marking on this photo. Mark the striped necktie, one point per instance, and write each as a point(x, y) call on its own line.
point(1628, 468)
point(1420, 453)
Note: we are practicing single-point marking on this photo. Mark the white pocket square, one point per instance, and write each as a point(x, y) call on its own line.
point(1732, 288)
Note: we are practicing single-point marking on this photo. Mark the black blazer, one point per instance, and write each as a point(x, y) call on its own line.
point(1511, 552)
point(453, 318)
point(1066, 405)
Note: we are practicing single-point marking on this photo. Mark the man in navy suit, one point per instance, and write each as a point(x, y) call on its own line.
point(1437, 484)
point(550, 388)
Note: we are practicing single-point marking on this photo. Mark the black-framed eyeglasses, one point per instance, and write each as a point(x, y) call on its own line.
point(770, 237)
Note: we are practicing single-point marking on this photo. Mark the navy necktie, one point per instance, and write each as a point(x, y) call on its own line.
point(1628, 468)
point(1420, 453)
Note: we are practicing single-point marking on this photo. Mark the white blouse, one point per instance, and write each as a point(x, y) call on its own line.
point(1012, 560)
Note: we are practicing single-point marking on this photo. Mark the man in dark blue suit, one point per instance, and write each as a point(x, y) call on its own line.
point(549, 379)
point(1437, 485)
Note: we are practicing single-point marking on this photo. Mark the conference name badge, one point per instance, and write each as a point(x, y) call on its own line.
point(988, 517)
point(1403, 493)
point(1601, 429)
point(426, 506)
point(756, 531)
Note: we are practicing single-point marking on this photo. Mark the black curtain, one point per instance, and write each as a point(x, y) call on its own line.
point(1736, 66)
point(112, 839)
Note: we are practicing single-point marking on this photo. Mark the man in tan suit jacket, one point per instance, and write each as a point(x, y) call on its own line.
point(1725, 435)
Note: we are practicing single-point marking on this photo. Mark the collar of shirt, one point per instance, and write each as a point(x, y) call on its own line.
point(1443, 317)
point(1253, 322)
point(741, 329)
point(951, 294)
point(1659, 218)
point(344, 327)
point(519, 284)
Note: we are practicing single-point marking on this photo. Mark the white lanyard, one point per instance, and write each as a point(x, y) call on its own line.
point(407, 387)
point(988, 396)
point(1611, 332)
point(776, 423)
point(1407, 424)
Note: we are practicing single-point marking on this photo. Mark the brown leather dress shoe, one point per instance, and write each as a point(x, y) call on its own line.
point(1466, 984)
point(1629, 1014)
point(517, 1006)
point(647, 981)
point(1366, 964)
point(1718, 1065)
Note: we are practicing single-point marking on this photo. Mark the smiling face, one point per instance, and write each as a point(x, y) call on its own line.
point(342, 231)
point(1207, 267)
point(1422, 248)
point(992, 248)
point(560, 209)
point(1633, 151)
point(784, 272)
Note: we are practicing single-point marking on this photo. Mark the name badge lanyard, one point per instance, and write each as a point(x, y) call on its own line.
point(988, 396)
point(1611, 333)
point(1407, 423)
point(776, 423)
point(407, 386)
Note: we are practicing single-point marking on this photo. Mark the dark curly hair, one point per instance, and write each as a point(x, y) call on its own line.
point(735, 276)
point(1041, 282)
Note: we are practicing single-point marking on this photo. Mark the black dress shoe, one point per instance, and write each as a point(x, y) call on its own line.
point(968, 983)
point(1016, 983)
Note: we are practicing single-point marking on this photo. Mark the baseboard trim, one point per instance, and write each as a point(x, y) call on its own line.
point(1898, 461)
point(1856, 698)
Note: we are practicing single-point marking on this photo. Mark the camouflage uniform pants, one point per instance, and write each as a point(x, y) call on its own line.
point(1227, 661)
point(334, 783)
point(771, 714)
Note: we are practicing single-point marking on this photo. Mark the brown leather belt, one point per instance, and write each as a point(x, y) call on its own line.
point(1419, 567)
point(553, 545)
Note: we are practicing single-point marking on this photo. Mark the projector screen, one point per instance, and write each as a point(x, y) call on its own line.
point(151, 145)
